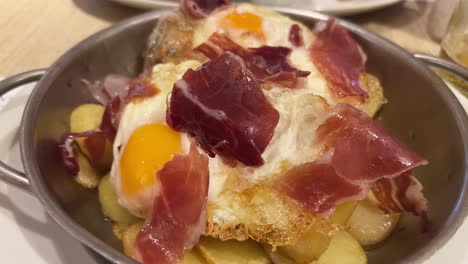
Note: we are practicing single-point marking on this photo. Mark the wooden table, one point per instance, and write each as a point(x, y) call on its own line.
point(33, 34)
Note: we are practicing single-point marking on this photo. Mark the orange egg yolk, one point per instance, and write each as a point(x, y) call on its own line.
point(244, 21)
point(147, 151)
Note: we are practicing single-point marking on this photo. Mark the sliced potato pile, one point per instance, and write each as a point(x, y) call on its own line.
point(343, 249)
point(370, 225)
point(216, 251)
point(110, 206)
point(367, 225)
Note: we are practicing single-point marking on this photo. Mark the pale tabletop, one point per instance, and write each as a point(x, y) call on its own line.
point(33, 34)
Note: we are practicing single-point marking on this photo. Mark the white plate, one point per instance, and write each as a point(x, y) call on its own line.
point(29, 235)
point(334, 7)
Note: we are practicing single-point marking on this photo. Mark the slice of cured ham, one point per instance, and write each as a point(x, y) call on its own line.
point(95, 143)
point(362, 150)
point(361, 156)
point(201, 8)
point(317, 187)
point(223, 107)
point(339, 58)
point(178, 216)
point(266, 63)
point(400, 194)
point(295, 36)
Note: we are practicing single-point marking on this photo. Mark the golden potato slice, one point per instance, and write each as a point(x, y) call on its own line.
point(118, 229)
point(343, 249)
point(193, 257)
point(216, 251)
point(309, 247)
point(276, 257)
point(128, 238)
point(110, 206)
point(376, 97)
point(369, 224)
point(88, 176)
point(88, 117)
point(343, 212)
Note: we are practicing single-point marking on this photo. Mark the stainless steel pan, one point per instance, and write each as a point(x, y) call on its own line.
point(421, 111)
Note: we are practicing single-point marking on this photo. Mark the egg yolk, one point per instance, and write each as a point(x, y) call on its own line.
point(245, 21)
point(147, 151)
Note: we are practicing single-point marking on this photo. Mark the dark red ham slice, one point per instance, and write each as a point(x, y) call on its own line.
point(95, 143)
point(111, 117)
point(200, 8)
point(178, 216)
point(266, 63)
point(361, 156)
point(339, 58)
point(223, 107)
point(400, 194)
point(68, 153)
point(362, 150)
point(295, 36)
point(317, 187)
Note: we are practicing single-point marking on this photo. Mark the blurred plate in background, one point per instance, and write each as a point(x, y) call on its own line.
point(334, 7)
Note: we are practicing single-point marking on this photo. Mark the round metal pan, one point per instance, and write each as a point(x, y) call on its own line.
point(422, 112)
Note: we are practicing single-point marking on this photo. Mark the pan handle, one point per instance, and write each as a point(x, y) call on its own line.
point(452, 67)
point(7, 173)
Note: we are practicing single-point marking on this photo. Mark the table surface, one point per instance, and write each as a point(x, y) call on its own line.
point(34, 34)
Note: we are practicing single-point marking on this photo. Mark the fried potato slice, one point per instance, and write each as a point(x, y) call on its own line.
point(128, 238)
point(88, 117)
point(118, 229)
point(193, 257)
point(110, 206)
point(369, 224)
point(343, 212)
point(309, 247)
point(376, 97)
point(216, 251)
point(343, 249)
point(88, 176)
